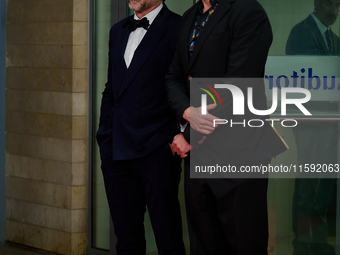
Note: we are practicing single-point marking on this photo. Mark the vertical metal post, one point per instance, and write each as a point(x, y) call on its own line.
point(2, 116)
point(337, 229)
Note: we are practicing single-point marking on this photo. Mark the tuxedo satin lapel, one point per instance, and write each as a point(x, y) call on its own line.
point(220, 11)
point(123, 39)
point(118, 56)
point(146, 47)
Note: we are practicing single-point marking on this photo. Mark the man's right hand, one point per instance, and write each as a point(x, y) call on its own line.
point(201, 123)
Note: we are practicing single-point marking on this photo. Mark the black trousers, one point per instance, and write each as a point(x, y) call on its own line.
point(227, 216)
point(150, 181)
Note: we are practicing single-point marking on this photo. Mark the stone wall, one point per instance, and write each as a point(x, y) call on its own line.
point(46, 124)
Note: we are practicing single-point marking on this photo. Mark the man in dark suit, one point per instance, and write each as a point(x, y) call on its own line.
point(316, 141)
point(313, 36)
point(231, 39)
point(136, 127)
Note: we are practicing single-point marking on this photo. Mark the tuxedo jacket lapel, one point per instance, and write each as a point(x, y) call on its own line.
point(220, 11)
point(120, 61)
point(318, 35)
point(145, 48)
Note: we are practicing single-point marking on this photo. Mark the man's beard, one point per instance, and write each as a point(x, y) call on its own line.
point(142, 5)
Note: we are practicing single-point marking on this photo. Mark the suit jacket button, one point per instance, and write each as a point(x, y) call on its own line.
point(137, 106)
point(117, 105)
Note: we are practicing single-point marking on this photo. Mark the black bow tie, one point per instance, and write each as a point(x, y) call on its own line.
point(133, 24)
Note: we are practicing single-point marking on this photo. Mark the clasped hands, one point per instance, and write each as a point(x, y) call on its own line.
point(198, 122)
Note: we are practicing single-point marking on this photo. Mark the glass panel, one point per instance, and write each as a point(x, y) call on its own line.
point(2, 117)
point(283, 16)
point(101, 28)
point(179, 6)
point(303, 212)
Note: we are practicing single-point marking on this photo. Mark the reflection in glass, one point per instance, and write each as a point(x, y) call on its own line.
point(283, 16)
point(101, 28)
point(314, 36)
point(314, 199)
point(310, 202)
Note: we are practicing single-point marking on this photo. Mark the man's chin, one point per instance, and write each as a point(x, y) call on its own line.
point(331, 21)
point(134, 5)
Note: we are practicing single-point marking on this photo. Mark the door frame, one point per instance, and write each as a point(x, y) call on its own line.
point(2, 117)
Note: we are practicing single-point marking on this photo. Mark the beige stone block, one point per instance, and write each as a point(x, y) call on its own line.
point(44, 170)
point(79, 244)
point(79, 150)
point(39, 237)
point(78, 221)
point(79, 80)
point(79, 174)
point(40, 33)
point(80, 56)
point(57, 172)
point(80, 33)
point(40, 101)
point(79, 127)
point(53, 56)
point(39, 10)
point(43, 147)
point(50, 125)
point(79, 197)
point(47, 79)
point(39, 192)
point(43, 216)
point(80, 10)
point(79, 104)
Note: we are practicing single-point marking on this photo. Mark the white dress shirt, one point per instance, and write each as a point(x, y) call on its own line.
point(136, 36)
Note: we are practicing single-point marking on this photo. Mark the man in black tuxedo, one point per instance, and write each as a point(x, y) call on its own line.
point(231, 39)
point(316, 142)
point(136, 127)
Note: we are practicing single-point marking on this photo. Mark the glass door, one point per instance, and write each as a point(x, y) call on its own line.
point(303, 214)
point(292, 227)
point(2, 116)
point(99, 221)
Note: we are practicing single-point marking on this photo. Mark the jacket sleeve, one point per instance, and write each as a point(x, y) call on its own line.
point(176, 87)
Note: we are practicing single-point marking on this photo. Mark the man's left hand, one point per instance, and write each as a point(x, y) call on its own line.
point(180, 146)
